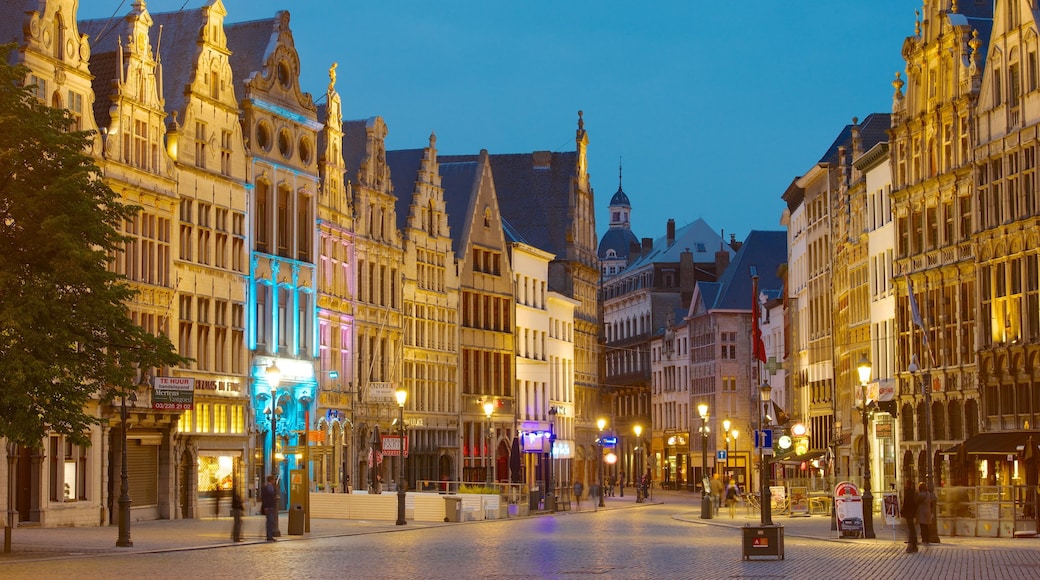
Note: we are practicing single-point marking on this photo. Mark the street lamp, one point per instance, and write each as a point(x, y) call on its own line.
point(928, 476)
point(765, 478)
point(726, 424)
point(274, 376)
point(868, 497)
point(702, 410)
point(402, 396)
point(601, 423)
point(639, 465)
point(123, 540)
point(489, 408)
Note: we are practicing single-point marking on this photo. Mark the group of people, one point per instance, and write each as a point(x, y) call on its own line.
point(719, 494)
point(917, 510)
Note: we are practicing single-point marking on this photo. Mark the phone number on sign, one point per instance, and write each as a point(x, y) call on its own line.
point(173, 406)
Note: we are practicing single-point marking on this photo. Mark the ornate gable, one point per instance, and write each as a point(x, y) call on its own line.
point(280, 76)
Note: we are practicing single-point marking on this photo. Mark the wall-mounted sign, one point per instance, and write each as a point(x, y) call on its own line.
point(173, 394)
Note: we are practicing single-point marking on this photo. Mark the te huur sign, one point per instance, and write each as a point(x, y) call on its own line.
point(173, 394)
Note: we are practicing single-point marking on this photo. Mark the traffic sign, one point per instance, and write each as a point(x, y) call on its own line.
point(720, 455)
point(764, 438)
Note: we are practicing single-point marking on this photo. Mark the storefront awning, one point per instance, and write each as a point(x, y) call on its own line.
point(798, 459)
point(994, 443)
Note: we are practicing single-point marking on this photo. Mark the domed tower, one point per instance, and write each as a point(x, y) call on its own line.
point(616, 243)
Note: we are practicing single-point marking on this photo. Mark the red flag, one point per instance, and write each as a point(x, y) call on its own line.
point(758, 347)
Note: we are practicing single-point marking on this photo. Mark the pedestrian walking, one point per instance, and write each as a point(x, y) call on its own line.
point(925, 507)
point(623, 485)
point(269, 504)
point(716, 492)
point(578, 488)
point(236, 513)
point(647, 482)
point(732, 494)
point(909, 513)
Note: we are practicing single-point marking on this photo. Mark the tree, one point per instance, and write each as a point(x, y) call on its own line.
point(66, 337)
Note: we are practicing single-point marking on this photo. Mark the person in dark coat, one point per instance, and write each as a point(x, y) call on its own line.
point(909, 512)
point(236, 512)
point(925, 507)
point(269, 503)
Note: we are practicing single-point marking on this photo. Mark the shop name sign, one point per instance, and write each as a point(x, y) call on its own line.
point(173, 394)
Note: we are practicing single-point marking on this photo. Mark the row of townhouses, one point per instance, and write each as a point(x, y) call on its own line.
point(908, 251)
point(310, 274)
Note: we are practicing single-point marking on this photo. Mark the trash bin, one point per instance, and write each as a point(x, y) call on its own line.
point(452, 508)
point(296, 520)
point(536, 500)
point(763, 540)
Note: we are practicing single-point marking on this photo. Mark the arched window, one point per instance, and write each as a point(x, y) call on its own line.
point(907, 418)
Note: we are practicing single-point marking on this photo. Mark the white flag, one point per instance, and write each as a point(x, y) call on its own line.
point(915, 311)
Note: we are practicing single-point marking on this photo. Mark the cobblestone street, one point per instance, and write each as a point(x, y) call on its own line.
point(654, 540)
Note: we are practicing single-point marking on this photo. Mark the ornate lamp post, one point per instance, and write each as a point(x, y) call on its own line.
point(639, 464)
point(765, 478)
point(601, 423)
point(123, 540)
point(402, 396)
point(868, 497)
point(489, 409)
point(702, 410)
point(274, 376)
point(928, 476)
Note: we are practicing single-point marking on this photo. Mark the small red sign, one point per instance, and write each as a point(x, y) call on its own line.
point(760, 542)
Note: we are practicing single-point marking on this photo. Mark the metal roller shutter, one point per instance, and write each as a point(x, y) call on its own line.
point(142, 465)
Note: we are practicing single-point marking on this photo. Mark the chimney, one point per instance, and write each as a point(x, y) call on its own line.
point(671, 232)
point(542, 159)
point(633, 251)
point(648, 246)
point(721, 262)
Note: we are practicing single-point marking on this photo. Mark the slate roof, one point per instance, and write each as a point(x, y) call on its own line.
point(459, 180)
point(619, 240)
point(249, 43)
point(763, 250)
point(355, 138)
point(180, 34)
point(696, 236)
point(620, 199)
point(535, 200)
point(13, 13)
point(404, 171)
point(873, 129)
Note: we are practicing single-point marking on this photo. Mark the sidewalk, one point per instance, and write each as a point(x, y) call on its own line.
point(35, 543)
point(818, 527)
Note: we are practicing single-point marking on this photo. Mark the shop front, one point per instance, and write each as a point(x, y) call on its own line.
point(994, 491)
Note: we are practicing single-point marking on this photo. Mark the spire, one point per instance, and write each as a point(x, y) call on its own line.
point(619, 173)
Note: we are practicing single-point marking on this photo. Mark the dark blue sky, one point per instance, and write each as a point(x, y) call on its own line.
point(714, 107)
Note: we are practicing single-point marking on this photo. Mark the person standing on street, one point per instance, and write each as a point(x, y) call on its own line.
point(578, 489)
point(236, 513)
point(925, 505)
point(909, 512)
point(732, 494)
point(269, 505)
point(716, 492)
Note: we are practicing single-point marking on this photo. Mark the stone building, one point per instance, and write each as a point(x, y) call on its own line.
point(49, 43)
point(934, 176)
point(378, 307)
point(280, 125)
point(431, 316)
point(204, 139)
point(638, 304)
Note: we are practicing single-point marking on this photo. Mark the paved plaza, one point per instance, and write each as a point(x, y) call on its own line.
point(664, 538)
